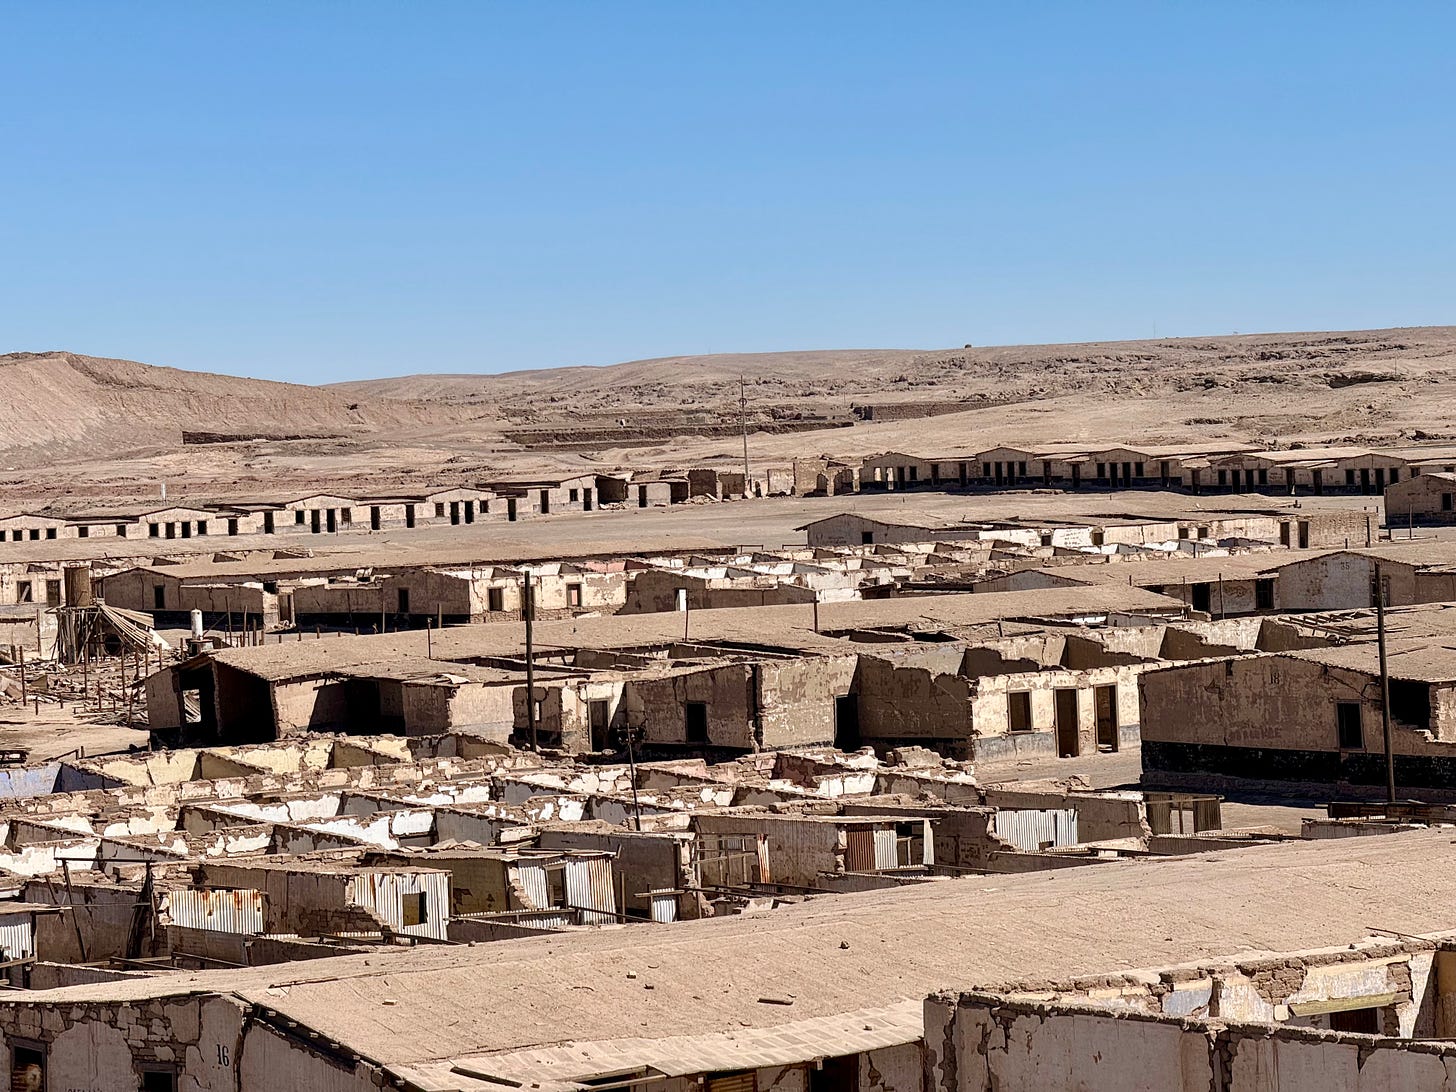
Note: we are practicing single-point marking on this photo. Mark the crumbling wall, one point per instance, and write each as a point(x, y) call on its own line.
point(796, 698)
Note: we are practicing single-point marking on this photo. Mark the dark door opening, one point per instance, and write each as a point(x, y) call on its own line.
point(1264, 594)
point(599, 716)
point(511, 509)
point(1106, 704)
point(545, 502)
point(1067, 742)
point(642, 496)
point(454, 513)
point(846, 722)
point(1304, 534)
point(695, 714)
point(866, 538)
point(836, 1075)
point(403, 600)
point(1203, 597)
point(374, 517)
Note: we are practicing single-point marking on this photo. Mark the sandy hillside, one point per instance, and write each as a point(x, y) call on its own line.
point(88, 427)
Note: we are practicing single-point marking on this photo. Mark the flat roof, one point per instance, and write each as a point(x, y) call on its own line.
point(837, 954)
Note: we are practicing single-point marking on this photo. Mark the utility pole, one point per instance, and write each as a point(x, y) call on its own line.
point(528, 609)
point(743, 426)
point(632, 773)
point(1384, 684)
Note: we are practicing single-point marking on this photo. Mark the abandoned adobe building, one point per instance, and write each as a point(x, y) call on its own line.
point(909, 964)
point(1305, 712)
point(1373, 1015)
point(1230, 468)
point(1189, 535)
point(969, 675)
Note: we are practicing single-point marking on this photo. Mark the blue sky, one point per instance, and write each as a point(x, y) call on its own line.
point(317, 191)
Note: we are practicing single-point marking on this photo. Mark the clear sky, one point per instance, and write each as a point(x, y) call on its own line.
point(330, 190)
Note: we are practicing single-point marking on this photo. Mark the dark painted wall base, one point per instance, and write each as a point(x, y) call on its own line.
point(1359, 773)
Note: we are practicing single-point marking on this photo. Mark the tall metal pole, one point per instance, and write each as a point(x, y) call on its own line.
point(528, 609)
point(743, 425)
point(1384, 684)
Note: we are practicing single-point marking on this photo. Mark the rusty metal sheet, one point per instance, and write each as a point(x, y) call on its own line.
point(859, 852)
point(223, 911)
point(385, 894)
point(1032, 828)
point(590, 890)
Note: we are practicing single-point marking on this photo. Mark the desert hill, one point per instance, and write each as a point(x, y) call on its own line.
point(81, 425)
point(1379, 384)
point(65, 405)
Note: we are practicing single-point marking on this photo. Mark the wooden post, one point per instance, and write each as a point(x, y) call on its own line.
point(528, 608)
point(1384, 685)
point(22, 674)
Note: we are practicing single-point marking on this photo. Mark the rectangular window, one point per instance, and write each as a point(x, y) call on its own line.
point(1137, 470)
point(914, 473)
point(83, 531)
point(121, 530)
point(1018, 710)
point(298, 516)
point(1101, 470)
point(1223, 477)
point(573, 494)
point(24, 591)
point(1349, 477)
point(34, 534)
point(413, 909)
point(496, 599)
point(50, 532)
point(27, 1066)
point(1347, 723)
point(53, 593)
point(866, 538)
point(695, 714)
point(153, 530)
point(573, 595)
point(232, 526)
point(439, 509)
point(202, 527)
point(985, 470)
point(746, 1081)
point(159, 1080)
point(346, 515)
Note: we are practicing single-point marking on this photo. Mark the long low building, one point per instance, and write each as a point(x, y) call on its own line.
point(1220, 467)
